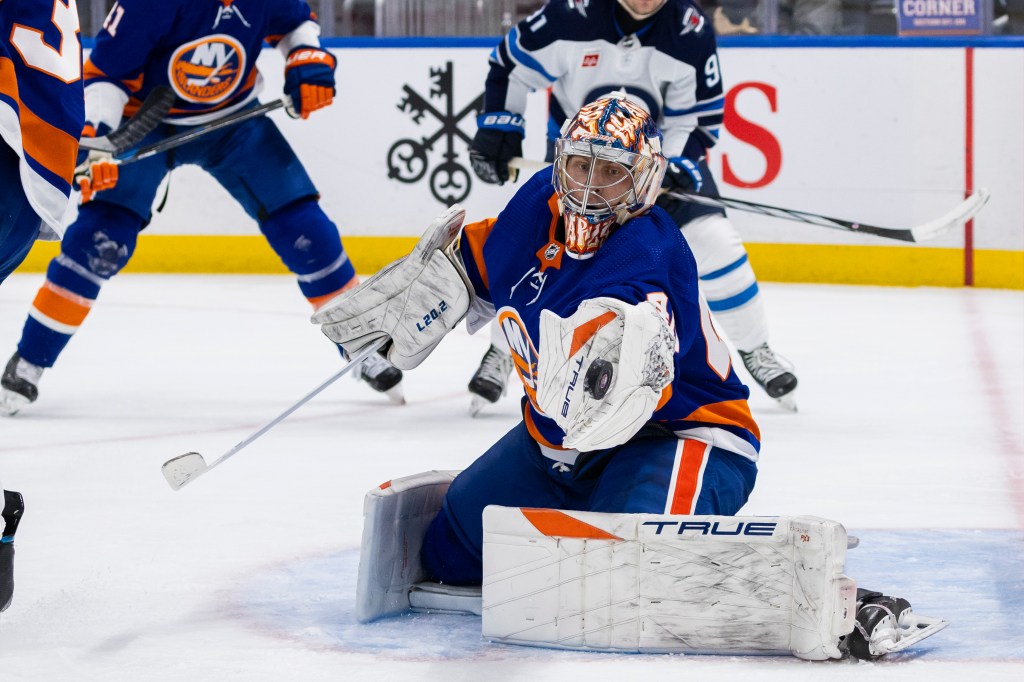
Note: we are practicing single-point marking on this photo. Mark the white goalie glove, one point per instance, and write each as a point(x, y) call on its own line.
point(601, 372)
point(413, 302)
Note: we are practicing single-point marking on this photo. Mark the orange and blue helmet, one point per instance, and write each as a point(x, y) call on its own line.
point(608, 169)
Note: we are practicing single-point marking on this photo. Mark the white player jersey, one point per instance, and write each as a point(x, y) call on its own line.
point(579, 49)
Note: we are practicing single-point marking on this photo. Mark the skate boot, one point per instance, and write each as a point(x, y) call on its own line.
point(382, 377)
point(19, 385)
point(772, 373)
point(491, 379)
point(887, 624)
point(13, 507)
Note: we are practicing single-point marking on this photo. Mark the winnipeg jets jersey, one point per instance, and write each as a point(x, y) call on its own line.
point(41, 99)
point(578, 48)
point(205, 50)
point(517, 262)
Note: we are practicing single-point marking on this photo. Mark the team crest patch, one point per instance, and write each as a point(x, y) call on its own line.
point(692, 21)
point(208, 70)
point(524, 353)
point(590, 59)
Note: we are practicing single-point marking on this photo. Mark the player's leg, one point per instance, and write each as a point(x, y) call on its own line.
point(512, 472)
point(658, 473)
point(11, 509)
point(95, 248)
point(490, 381)
point(730, 287)
point(258, 167)
point(19, 223)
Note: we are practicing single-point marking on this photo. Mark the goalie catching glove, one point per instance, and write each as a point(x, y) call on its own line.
point(601, 372)
point(413, 302)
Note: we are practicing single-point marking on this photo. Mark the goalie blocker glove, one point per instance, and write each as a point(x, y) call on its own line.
point(414, 302)
point(308, 80)
point(498, 139)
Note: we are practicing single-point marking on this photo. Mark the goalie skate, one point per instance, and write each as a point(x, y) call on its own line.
point(885, 625)
point(19, 385)
point(490, 381)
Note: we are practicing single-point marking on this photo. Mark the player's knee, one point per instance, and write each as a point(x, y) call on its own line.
point(716, 245)
point(103, 239)
point(308, 243)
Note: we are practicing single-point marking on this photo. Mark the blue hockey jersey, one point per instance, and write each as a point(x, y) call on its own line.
point(579, 49)
point(517, 263)
point(206, 50)
point(41, 110)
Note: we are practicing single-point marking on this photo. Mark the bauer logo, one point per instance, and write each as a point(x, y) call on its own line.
point(440, 146)
point(713, 528)
point(208, 70)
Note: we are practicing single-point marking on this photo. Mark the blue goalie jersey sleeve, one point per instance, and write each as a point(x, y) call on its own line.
point(518, 263)
point(41, 110)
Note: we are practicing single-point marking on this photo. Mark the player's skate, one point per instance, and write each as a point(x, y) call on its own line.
point(887, 624)
point(19, 385)
point(13, 507)
point(772, 373)
point(491, 379)
point(383, 377)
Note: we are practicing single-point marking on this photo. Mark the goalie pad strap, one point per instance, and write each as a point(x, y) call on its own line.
point(662, 583)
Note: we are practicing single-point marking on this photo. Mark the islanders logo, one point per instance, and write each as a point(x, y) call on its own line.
point(524, 354)
point(208, 70)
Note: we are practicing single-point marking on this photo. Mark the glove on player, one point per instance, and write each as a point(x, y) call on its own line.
point(96, 170)
point(308, 80)
point(499, 137)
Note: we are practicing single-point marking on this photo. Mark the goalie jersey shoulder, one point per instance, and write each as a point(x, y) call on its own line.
point(206, 50)
point(519, 264)
point(41, 110)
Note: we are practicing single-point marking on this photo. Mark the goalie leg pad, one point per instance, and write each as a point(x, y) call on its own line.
point(395, 520)
point(663, 583)
point(414, 301)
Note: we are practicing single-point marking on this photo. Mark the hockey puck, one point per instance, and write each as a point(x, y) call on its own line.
point(598, 379)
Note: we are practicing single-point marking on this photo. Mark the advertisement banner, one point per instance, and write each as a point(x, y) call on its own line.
point(939, 17)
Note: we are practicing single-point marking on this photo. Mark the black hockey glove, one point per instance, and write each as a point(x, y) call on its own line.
point(683, 175)
point(499, 137)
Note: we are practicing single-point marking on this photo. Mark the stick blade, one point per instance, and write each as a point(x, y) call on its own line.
point(959, 215)
point(182, 469)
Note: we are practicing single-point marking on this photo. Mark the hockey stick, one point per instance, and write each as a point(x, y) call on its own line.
point(958, 215)
point(183, 469)
point(132, 156)
point(145, 120)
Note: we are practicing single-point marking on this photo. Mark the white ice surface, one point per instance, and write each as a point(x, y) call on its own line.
point(910, 432)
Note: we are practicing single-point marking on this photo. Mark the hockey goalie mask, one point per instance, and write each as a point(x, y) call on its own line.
point(608, 169)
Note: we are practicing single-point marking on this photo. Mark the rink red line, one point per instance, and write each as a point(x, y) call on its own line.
point(1002, 416)
point(968, 162)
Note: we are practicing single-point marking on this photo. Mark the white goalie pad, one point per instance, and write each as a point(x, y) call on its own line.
point(601, 371)
point(663, 583)
point(395, 519)
point(413, 301)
